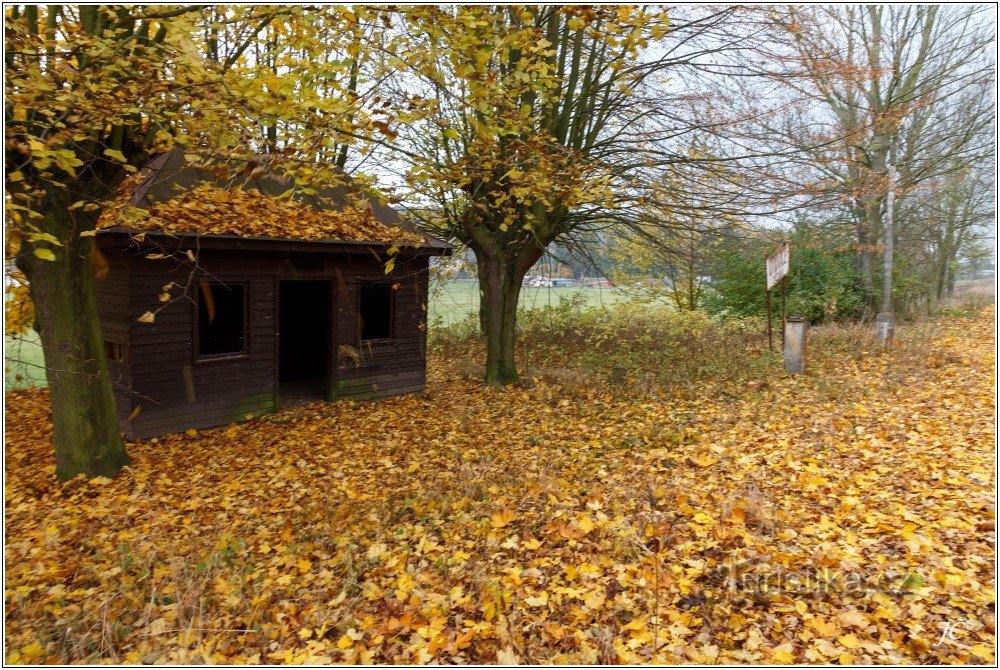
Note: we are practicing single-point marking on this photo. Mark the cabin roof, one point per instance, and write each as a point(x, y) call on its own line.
point(230, 200)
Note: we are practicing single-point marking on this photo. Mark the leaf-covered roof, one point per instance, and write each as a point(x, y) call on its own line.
point(175, 196)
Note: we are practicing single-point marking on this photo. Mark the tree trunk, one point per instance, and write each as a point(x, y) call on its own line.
point(484, 307)
point(940, 265)
point(500, 277)
point(866, 256)
point(84, 421)
point(870, 223)
point(954, 243)
point(885, 322)
point(692, 286)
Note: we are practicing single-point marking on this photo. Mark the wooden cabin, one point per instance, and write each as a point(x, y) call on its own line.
point(224, 297)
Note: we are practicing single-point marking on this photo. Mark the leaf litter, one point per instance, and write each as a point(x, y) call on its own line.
point(780, 522)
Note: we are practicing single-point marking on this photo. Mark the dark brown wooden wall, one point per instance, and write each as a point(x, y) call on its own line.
point(113, 305)
point(387, 368)
point(176, 392)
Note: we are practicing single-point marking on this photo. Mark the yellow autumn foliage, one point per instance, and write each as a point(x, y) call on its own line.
point(19, 310)
point(211, 210)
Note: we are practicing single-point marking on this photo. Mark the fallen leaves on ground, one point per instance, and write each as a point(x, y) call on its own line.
point(842, 516)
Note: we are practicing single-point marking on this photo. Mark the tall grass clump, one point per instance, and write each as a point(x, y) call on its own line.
point(653, 346)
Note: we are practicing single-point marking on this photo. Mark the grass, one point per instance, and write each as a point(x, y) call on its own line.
point(454, 301)
point(653, 346)
point(24, 364)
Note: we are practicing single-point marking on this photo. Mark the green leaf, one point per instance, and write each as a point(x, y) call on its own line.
point(116, 155)
point(45, 254)
point(44, 237)
point(451, 133)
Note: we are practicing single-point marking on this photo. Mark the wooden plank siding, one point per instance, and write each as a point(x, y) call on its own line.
point(177, 392)
point(113, 296)
point(384, 364)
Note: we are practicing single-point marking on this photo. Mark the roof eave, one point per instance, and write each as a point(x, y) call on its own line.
point(434, 244)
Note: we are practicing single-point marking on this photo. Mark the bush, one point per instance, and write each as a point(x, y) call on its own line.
point(822, 281)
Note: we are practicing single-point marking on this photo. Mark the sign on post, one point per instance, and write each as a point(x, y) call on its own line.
point(777, 266)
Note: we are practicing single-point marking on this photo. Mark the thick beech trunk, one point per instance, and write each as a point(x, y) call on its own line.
point(484, 306)
point(85, 423)
point(500, 277)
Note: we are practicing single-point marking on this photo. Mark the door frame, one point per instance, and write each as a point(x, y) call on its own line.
point(331, 353)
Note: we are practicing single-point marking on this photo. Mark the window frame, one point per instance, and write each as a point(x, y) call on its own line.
point(196, 323)
point(114, 351)
point(392, 312)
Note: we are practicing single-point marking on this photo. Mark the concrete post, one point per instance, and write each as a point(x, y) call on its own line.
point(795, 344)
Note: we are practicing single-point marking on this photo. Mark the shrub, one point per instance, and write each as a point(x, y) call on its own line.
point(822, 282)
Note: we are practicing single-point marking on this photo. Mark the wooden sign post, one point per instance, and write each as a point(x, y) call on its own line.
point(770, 341)
point(784, 312)
point(777, 269)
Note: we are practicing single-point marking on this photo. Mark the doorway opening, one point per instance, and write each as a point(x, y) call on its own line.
point(303, 341)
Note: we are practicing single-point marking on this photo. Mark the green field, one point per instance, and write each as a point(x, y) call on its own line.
point(449, 302)
point(23, 362)
point(453, 301)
